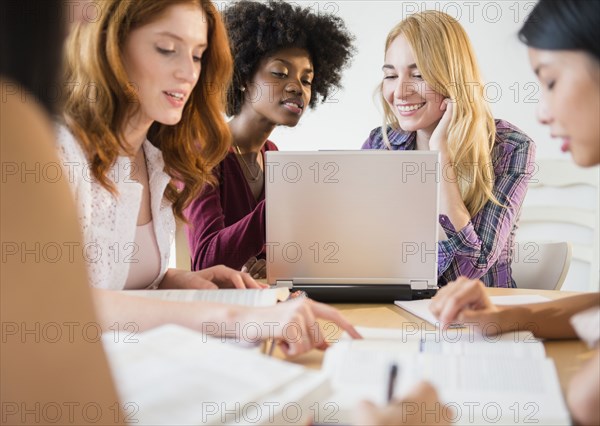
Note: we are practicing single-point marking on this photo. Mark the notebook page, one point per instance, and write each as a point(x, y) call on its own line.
point(511, 391)
point(420, 308)
point(491, 390)
point(178, 376)
point(246, 297)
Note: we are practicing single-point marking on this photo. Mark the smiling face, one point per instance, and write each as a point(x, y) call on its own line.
point(281, 88)
point(414, 103)
point(570, 103)
point(162, 62)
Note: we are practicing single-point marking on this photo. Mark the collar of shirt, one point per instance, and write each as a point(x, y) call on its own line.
point(400, 140)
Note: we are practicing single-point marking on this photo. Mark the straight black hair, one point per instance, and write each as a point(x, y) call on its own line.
point(564, 25)
point(32, 34)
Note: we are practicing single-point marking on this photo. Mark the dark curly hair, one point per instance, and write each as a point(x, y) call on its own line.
point(257, 30)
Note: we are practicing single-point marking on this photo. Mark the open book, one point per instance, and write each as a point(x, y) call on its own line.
point(173, 375)
point(494, 380)
point(247, 297)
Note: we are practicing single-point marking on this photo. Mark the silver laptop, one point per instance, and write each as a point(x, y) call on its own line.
point(353, 226)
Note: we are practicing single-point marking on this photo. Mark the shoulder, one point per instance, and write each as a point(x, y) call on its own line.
point(513, 147)
point(376, 138)
point(68, 146)
point(510, 137)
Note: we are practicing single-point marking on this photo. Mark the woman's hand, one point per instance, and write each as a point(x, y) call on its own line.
point(439, 137)
point(465, 301)
point(257, 268)
point(421, 407)
point(210, 278)
point(294, 324)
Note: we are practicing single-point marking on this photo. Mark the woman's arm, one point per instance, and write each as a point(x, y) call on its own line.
point(549, 320)
point(213, 243)
point(294, 323)
point(479, 243)
point(116, 309)
point(466, 301)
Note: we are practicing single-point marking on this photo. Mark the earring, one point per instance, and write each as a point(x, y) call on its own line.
point(242, 89)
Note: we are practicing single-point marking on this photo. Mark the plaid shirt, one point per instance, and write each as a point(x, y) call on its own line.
point(483, 248)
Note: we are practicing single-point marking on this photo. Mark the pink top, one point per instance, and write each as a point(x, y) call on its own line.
point(145, 261)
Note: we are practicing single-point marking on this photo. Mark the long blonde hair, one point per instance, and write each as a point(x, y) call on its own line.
point(191, 148)
point(445, 59)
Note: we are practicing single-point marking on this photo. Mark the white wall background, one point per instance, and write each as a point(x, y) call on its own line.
point(345, 120)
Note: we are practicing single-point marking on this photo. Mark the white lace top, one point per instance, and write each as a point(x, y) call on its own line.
point(109, 222)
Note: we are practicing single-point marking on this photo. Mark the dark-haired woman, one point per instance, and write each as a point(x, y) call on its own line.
point(562, 36)
point(285, 59)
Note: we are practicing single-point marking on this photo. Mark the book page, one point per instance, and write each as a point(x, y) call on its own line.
point(173, 375)
point(246, 297)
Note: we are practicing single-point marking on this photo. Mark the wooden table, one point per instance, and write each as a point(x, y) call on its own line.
point(568, 355)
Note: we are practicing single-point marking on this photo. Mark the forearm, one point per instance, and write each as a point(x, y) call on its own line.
point(115, 307)
point(548, 320)
point(451, 202)
point(233, 245)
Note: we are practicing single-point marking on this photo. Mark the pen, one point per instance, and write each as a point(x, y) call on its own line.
point(392, 381)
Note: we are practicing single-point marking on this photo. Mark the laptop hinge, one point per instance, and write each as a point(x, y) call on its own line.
point(418, 285)
point(284, 283)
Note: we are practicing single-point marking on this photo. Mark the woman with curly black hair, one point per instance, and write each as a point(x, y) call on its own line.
point(286, 59)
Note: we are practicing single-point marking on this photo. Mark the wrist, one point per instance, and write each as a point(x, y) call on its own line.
point(511, 318)
point(219, 320)
point(170, 279)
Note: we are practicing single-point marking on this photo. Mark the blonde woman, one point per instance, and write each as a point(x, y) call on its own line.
point(143, 129)
point(432, 95)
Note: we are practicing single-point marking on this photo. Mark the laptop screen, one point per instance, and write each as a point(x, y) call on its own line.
point(352, 217)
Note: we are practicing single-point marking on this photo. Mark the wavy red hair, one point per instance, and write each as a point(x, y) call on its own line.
point(193, 147)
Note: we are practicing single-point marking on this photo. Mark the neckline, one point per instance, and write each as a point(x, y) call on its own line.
point(246, 184)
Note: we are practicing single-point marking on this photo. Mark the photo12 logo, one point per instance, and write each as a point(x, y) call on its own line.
point(68, 412)
point(292, 252)
point(292, 172)
point(269, 412)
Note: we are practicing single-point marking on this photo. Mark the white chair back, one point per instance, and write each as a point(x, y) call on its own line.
point(539, 265)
